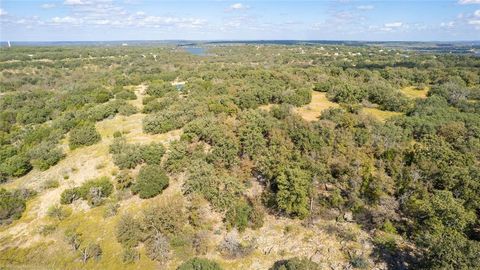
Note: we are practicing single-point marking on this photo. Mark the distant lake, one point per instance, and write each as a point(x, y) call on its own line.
point(195, 50)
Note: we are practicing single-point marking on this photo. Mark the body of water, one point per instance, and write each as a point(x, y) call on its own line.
point(195, 50)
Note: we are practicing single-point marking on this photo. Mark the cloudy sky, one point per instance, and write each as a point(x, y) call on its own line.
point(65, 20)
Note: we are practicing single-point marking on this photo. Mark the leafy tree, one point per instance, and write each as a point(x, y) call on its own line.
point(293, 191)
point(83, 135)
point(295, 264)
point(151, 181)
point(128, 231)
point(15, 166)
point(199, 264)
point(11, 206)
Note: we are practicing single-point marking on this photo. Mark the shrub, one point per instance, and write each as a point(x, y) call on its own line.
point(11, 206)
point(152, 180)
point(130, 255)
point(16, 166)
point(238, 215)
point(123, 180)
point(199, 264)
point(68, 196)
point(159, 89)
point(51, 183)
point(295, 264)
point(126, 95)
point(58, 211)
point(83, 135)
point(73, 238)
point(45, 155)
point(152, 153)
point(111, 209)
point(127, 109)
point(171, 220)
point(231, 247)
point(128, 231)
point(91, 251)
point(93, 191)
point(158, 248)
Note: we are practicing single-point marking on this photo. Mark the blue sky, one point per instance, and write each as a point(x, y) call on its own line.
point(70, 20)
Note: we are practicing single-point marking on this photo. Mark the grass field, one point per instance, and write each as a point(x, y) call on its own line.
point(412, 92)
point(319, 103)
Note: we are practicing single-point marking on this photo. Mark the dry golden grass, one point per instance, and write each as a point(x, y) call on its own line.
point(312, 111)
point(379, 114)
point(412, 92)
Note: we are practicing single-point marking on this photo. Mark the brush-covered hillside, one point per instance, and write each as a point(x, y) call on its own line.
point(244, 157)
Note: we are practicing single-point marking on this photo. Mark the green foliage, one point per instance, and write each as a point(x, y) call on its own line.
point(11, 206)
point(152, 153)
point(199, 264)
point(130, 255)
point(15, 166)
point(126, 95)
point(151, 181)
point(128, 231)
point(59, 212)
point(94, 191)
point(295, 264)
point(205, 180)
point(123, 180)
point(128, 156)
point(293, 191)
point(45, 155)
point(159, 89)
point(83, 135)
point(171, 220)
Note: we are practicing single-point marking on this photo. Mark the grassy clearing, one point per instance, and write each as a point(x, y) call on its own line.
point(413, 92)
point(379, 114)
point(319, 103)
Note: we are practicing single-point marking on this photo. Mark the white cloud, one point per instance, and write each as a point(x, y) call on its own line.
point(48, 5)
point(466, 2)
point(393, 25)
point(474, 22)
point(3, 12)
point(477, 13)
point(365, 7)
point(76, 2)
point(237, 7)
point(66, 20)
point(449, 24)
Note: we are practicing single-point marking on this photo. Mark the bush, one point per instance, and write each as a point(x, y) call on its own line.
point(45, 155)
point(123, 180)
point(158, 248)
point(11, 206)
point(58, 211)
point(93, 191)
point(15, 166)
point(295, 264)
point(68, 196)
point(130, 255)
point(83, 135)
point(128, 231)
point(91, 251)
point(238, 215)
point(171, 220)
point(126, 95)
point(51, 183)
point(159, 89)
point(152, 180)
point(152, 153)
point(199, 264)
point(127, 109)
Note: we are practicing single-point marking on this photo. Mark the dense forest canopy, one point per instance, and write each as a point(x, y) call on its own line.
point(396, 154)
